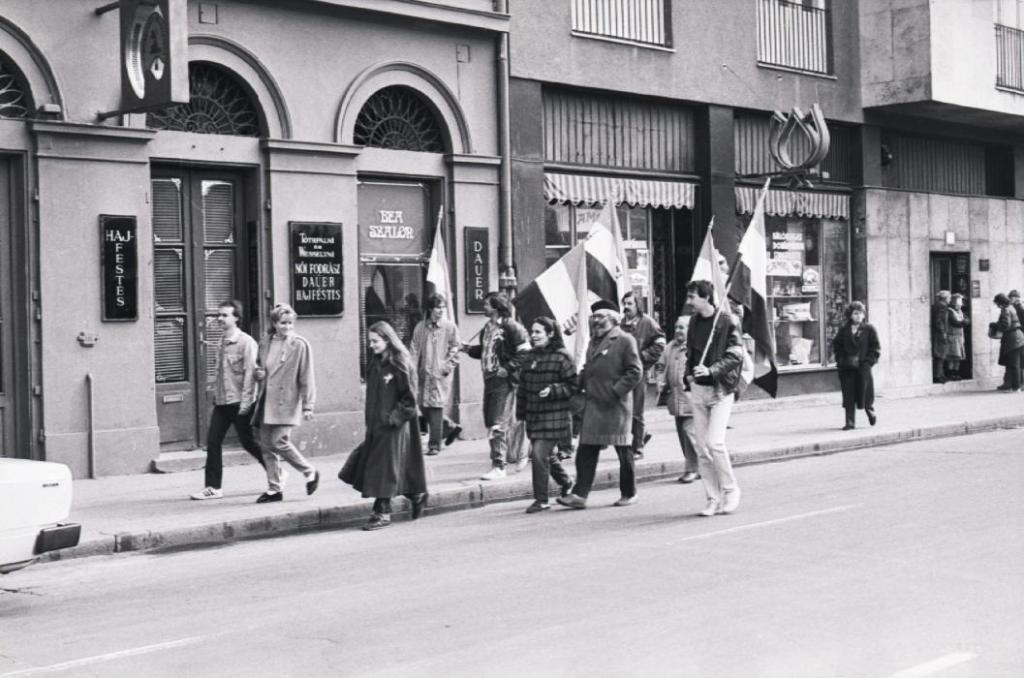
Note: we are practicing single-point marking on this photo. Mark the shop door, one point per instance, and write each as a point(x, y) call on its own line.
point(952, 271)
point(7, 444)
point(199, 249)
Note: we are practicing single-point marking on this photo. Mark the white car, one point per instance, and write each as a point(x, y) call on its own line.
point(35, 496)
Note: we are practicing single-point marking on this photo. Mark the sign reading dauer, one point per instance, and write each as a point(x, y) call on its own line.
point(119, 265)
point(478, 270)
point(317, 283)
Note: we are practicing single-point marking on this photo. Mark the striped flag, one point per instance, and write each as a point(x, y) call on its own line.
point(706, 267)
point(437, 269)
point(559, 291)
point(750, 286)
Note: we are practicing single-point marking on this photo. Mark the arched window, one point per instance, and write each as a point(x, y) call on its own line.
point(399, 119)
point(14, 97)
point(218, 104)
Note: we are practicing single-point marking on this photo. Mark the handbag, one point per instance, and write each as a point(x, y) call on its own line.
point(994, 332)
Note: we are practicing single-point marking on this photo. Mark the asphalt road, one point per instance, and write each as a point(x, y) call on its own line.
point(901, 561)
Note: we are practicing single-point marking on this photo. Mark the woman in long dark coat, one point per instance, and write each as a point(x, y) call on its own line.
point(547, 380)
point(1011, 342)
point(389, 462)
point(857, 349)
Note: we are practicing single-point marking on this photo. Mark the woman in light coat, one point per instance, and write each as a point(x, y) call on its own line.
point(389, 461)
point(287, 397)
point(672, 382)
point(955, 351)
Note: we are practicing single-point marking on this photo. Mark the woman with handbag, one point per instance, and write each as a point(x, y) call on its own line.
point(389, 461)
point(672, 379)
point(547, 381)
point(1011, 342)
point(955, 351)
point(857, 349)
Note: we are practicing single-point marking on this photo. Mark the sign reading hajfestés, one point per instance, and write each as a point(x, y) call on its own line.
point(318, 284)
point(119, 266)
point(154, 54)
point(799, 141)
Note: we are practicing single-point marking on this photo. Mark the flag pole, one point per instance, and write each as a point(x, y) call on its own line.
point(718, 311)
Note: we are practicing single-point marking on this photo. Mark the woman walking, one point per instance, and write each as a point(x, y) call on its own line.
point(672, 366)
point(857, 349)
point(547, 379)
point(955, 351)
point(287, 397)
point(389, 461)
point(1010, 343)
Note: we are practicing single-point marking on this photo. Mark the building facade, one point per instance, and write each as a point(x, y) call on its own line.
point(321, 145)
point(664, 108)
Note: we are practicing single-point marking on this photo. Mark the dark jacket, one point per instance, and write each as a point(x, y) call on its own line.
point(855, 355)
point(1009, 324)
point(512, 345)
point(389, 461)
point(613, 368)
point(547, 418)
point(940, 329)
point(650, 339)
point(724, 358)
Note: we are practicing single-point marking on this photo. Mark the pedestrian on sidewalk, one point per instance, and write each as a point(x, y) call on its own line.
point(857, 349)
point(1015, 302)
point(234, 393)
point(940, 336)
point(713, 382)
point(650, 342)
point(672, 382)
point(389, 461)
point(434, 352)
point(547, 381)
point(612, 371)
point(956, 351)
point(1011, 341)
point(503, 345)
point(287, 398)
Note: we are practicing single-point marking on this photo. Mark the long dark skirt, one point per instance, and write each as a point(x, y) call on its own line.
point(858, 388)
point(388, 463)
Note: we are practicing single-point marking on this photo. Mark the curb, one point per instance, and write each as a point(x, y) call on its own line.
point(482, 494)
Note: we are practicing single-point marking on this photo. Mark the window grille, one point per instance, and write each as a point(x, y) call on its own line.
point(397, 118)
point(218, 104)
point(14, 99)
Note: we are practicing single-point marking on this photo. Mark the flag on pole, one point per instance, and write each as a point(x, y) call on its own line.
point(437, 269)
point(582, 312)
point(706, 267)
point(750, 286)
point(560, 293)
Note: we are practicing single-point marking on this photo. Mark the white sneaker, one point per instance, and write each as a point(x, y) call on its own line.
point(711, 509)
point(208, 493)
point(731, 500)
point(495, 473)
point(521, 464)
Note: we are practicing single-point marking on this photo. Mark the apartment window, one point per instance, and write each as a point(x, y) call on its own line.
point(1009, 20)
point(640, 21)
point(795, 34)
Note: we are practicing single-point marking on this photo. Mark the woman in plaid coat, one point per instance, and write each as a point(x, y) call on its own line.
point(547, 380)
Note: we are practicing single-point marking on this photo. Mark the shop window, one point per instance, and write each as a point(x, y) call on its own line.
point(567, 225)
point(218, 104)
point(808, 287)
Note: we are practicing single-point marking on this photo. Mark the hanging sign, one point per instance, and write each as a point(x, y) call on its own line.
point(393, 219)
point(119, 268)
point(478, 267)
point(316, 268)
point(154, 54)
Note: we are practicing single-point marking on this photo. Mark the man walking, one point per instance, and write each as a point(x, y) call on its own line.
point(612, 371)
point(650, 342)
point(435, 353)
point(713, 382)
point(503, 345)
point(233, 397)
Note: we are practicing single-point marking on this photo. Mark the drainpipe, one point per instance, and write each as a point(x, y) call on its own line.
point(507, 277)
point(91, 450)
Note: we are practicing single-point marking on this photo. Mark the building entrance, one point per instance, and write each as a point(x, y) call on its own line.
point(952, 271)
point(200, 250)
point(8, 447)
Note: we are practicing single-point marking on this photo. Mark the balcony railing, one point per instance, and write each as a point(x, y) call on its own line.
point(794, 35)
point(642, 21)
point(1009, 57)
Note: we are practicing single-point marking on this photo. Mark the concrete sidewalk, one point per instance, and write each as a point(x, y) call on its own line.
point(128, 513)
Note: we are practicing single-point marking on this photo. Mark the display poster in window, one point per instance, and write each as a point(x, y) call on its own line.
point(394, 221)
point(119, 266)
point(478, 267)
point(316, 267)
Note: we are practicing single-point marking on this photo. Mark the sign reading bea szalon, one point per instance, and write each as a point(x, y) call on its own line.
point(317, 281)
point(393, 219)
point(119, 255)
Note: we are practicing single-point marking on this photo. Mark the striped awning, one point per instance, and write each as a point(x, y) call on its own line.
point(786, 203)
point(578, 189)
